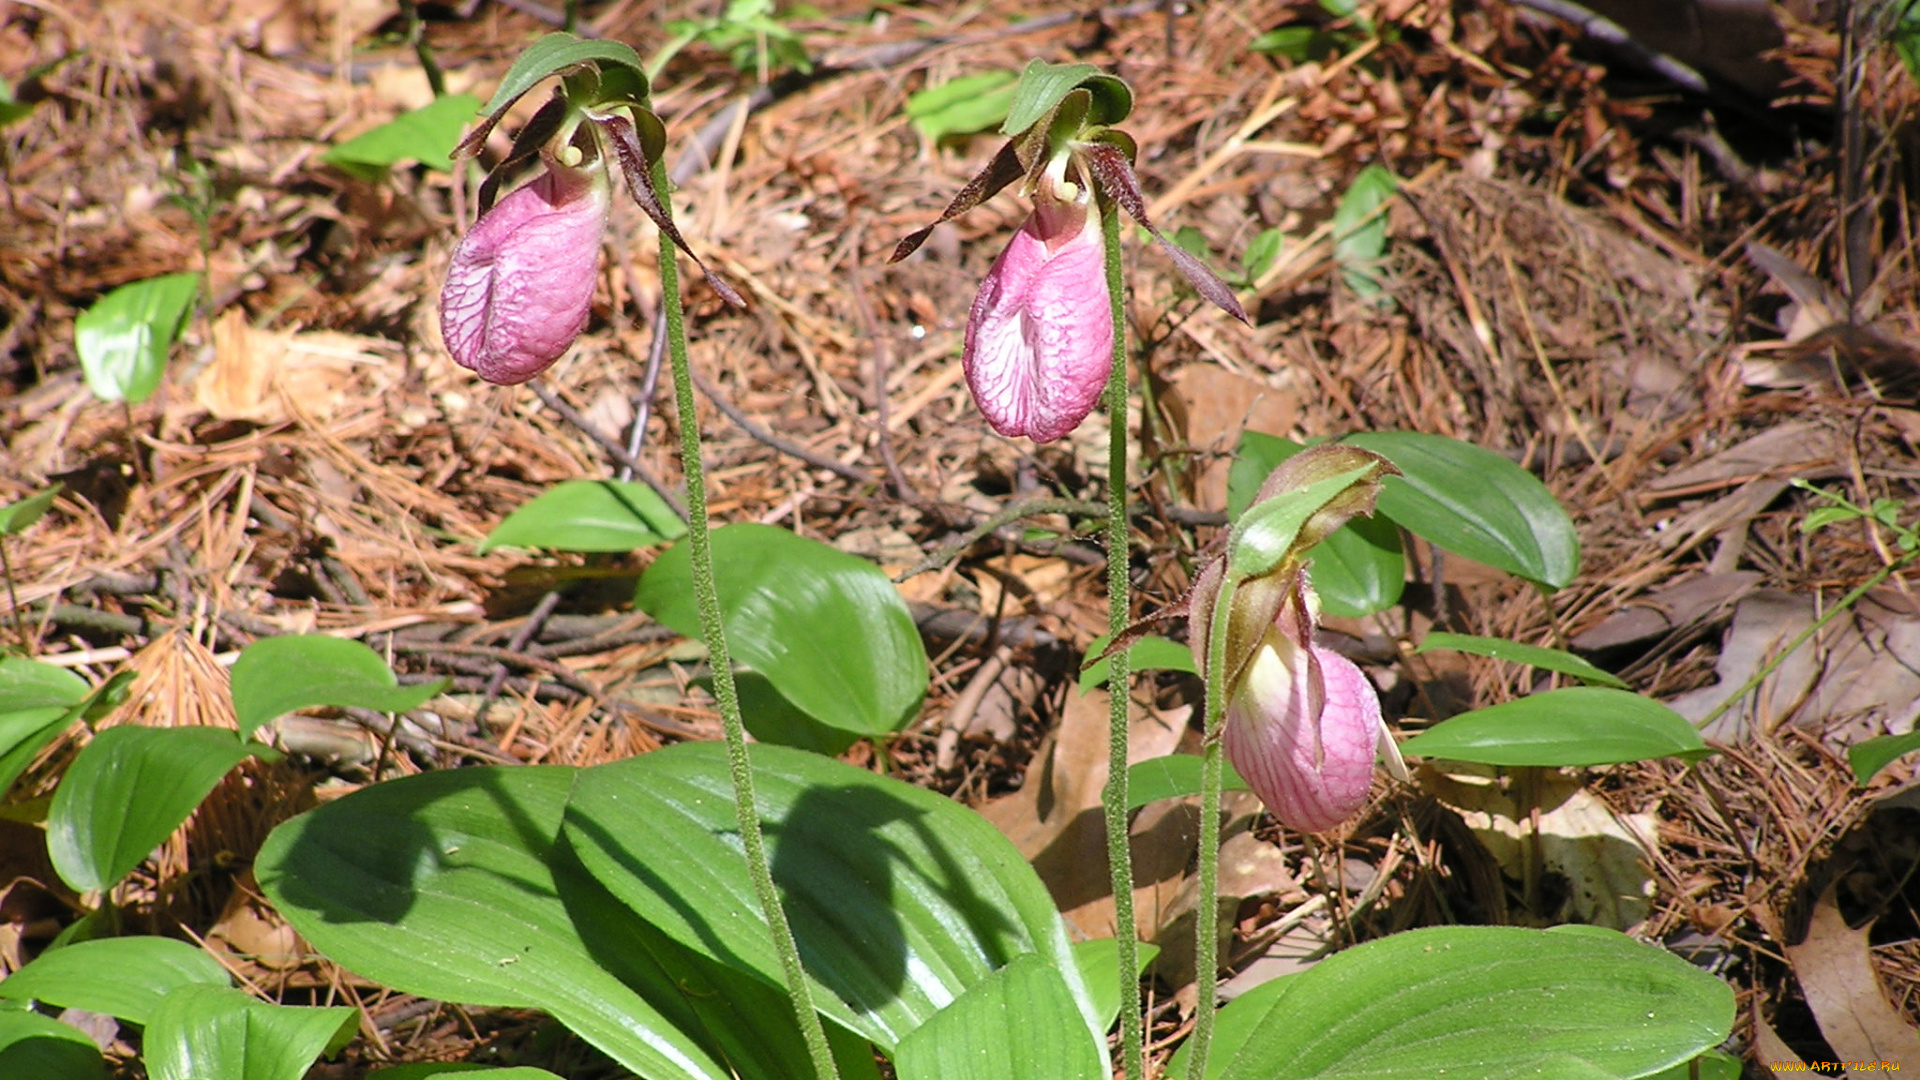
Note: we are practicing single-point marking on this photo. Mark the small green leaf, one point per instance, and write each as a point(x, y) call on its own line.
point(128, 790)
point(1577, 726)
point(1042, 87)
point(589, 515)
point(1017, 1022)
point(962, 106)
point(15, 517)
point(1360, 229)
point(274, 676)
point(1150, 653)
point(1357, 570)
point(12, 110)
point(1476, 503)
point(46, 1049)
point(1532, 655)
point(1475, 1001)
point(558, 54)
point(1297, 43)
point(1269, 531)
point(214, 1031)
point(426, 135)
point(1192, 241)
point(1822, 516)
point(1262, 252)
point(124, 338)
point(123, 977)
point(828, 630)
point(1869, 756)
point(1175, 776)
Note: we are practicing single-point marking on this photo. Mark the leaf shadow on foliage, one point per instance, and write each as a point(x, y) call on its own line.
point(840, 897)
point(381, 859)
point(822, 875)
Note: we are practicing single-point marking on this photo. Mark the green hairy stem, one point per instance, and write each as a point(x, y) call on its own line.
point(700, 546)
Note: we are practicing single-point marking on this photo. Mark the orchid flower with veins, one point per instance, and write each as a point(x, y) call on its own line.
point(1040, 335)
point(520, 285)
point(1303, 723)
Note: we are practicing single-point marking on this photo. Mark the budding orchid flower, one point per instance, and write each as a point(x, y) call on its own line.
point(1303, 723)
point(521, 283)
point(1040, 336)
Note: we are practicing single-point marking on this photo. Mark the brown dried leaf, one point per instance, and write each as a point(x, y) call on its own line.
point(1835, 968)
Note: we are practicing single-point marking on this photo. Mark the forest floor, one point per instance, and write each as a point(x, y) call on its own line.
point(1666, 304)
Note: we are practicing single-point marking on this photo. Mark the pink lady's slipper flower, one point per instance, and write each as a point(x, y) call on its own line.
point(1040, 336)
point(521, 283)
point(1303, 723)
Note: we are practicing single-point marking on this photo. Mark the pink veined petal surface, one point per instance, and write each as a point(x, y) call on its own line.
point(1040, 334)
point(1312, 772)
point(521, 282)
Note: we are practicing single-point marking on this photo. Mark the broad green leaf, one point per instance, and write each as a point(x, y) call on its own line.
point(42, 689)
point(30, 684)
point(199, 1032)
point(1475, 1001)
point(1360, 229)
point(771, 718)
point(26, 732)
point(1043, 86)
point(1532, 655)
point(1150, 653)
point(899, 898)
point(589, 515)
point(426, 135)
point(962, 106)
point(1869, 756)
point(274, 676)
point(423, 1069)
point(1714, 1065)
point(122, 977)
point(828, 630)
point(1017, 1022)
point(43, 1048)
point(557, 54)
point(128, 790)
point(124, 338)
point(1359, 569)
point(1174, 777)
point(1476, 503)
point(1099, 961)
point(450, 885)
point(15, 517)
point(1577, 726)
